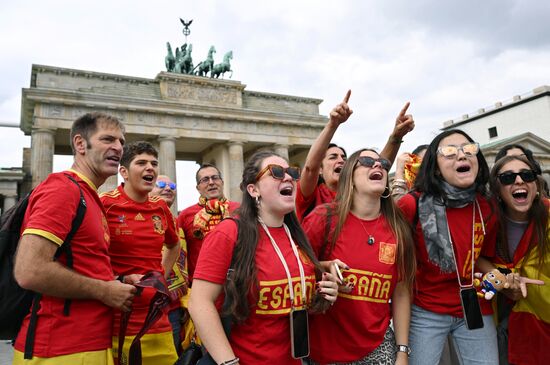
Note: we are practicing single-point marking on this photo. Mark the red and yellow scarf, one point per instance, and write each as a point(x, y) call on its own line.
point(213, 211)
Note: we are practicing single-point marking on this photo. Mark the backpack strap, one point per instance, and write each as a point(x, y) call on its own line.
point(66, 248)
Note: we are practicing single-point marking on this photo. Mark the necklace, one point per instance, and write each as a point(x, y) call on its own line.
point(370, 240)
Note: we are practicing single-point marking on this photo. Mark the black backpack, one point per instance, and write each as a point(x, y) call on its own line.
point(16, 302)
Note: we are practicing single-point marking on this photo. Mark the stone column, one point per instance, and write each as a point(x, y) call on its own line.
point(9, 201)
point(282, 150)
point(167, 161)
point(236, 166)
point(42, 148)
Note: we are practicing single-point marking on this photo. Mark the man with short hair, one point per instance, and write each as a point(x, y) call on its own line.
point(165, 188)
point(199, 219)
point(84, 335)
point(140, 225)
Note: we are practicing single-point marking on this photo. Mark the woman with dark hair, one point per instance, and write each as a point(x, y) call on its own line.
point(273, 273)
point(519, 150)
point(325, 160)
point(364, 233)
point(523, 247)
point(454, 224)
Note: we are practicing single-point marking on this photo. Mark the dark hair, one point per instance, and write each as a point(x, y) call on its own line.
point(244, 279)
point(526, 151)
point(420, 148)
point(131, 150)
point(398, 224)
point(428, 179)
point(86, 126)
point(320, 180)
point(204, 166)
point(538, 214)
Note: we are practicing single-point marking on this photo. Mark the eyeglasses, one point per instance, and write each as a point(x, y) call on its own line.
point(163, 184)
point(369, 162)
point(278, 172)
point(509, 177)
point(206, 179)
point(451, 151)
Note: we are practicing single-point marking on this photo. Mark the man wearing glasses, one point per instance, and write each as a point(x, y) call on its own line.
point(199, 219)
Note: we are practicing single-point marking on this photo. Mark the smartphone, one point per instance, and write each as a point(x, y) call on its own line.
point(471, 308)
point(339, 273)
point(299, 333)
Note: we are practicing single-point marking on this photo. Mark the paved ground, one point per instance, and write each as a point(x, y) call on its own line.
point(6, 353)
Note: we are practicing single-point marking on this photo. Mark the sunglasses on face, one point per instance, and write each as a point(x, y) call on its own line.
point(278, 172)
point(369, 162)
point(451, 151)
point(509, 177)
point(206, 179)
point(163, 184)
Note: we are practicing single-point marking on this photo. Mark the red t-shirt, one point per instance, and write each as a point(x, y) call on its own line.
point(138, 232)
point(194, 244)
point(52, 208)
point(321, 195)
point(437, 291)
point(356, 324)
point(264, 338)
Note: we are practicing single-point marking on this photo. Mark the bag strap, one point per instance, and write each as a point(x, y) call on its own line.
point(159, 304)
point(66, 248)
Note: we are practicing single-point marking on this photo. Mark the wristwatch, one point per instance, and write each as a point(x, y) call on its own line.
point(404, 348)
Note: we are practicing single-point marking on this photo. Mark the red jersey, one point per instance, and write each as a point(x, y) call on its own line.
point(356, 324)
point(52, 208)
point(321, 195)
point(264, 338)
point(437, 291)
point(138, 232)
point(194, 244)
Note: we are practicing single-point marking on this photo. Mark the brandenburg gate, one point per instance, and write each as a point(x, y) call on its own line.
point(187, 117)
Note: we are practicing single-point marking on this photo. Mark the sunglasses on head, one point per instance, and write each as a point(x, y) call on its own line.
point(278, 172)
point(509, 177)
point(369, 162)
point(163, 184)
point(451, 151)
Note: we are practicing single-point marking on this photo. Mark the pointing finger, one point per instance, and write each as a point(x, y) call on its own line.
point(346, 98)
point(404, 110)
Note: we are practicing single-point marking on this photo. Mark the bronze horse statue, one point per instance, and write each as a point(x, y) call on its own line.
point(207, 65)
point(169, 60)
point(184, 63)
point(223, 67)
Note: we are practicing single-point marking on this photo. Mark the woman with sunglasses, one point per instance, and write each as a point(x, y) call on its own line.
point(455, 227)
point(523, 247)
point(274, 274)
point(364, 234)
point(325, 160)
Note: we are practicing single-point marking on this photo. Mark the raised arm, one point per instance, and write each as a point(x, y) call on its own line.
point(404, 123)
point(338, 115)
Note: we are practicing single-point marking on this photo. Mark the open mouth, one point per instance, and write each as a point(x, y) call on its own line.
point(114, 158)
point(376, 175)
point(520, 194)
point(286, 191)
point(463, 168)
point(338, 169)
point(148, 178)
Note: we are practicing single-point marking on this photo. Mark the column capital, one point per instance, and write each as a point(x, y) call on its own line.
point(44, 130)
point(166, 138)
point(235, 142)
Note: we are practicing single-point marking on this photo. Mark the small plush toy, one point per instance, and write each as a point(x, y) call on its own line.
point(491, 283)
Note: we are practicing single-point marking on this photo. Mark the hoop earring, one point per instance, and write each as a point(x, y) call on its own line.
point(386, 196)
